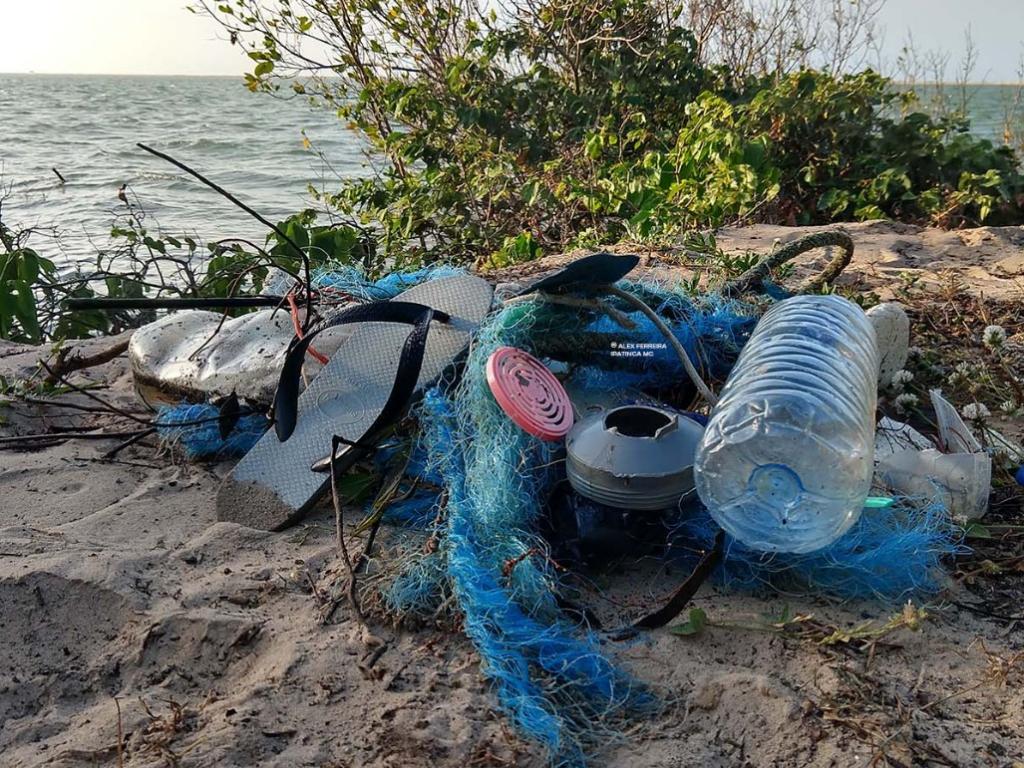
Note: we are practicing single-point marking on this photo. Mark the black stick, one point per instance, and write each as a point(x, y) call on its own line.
point(175, 302)
point(59, 436)
point(256, 215)
point(130, 441)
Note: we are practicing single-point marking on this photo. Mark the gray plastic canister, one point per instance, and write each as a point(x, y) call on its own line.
point(786, 461)
point(635, 457)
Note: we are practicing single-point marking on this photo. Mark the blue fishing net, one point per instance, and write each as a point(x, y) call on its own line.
point(889, 554)
point(351, 281)
point(194, 427)
point(552, 676)
point(612, 357)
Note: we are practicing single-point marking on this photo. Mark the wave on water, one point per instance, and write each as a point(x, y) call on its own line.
point(88, 127)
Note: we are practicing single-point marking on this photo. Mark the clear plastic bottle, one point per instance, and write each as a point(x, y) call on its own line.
point(787, 458)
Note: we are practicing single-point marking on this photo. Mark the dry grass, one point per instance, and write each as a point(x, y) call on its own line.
point(896, 722)
point(163, 735)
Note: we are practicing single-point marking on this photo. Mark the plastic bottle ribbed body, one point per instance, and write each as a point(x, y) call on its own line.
point(787, 458)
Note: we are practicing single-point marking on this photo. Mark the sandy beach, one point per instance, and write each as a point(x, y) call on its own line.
point(136, 630)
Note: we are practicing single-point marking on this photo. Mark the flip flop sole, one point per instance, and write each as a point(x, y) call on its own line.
point(273, 485)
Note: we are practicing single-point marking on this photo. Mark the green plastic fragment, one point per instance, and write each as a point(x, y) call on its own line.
point(878, 502)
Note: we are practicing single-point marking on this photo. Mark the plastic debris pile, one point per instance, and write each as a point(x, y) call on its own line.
point(485, 486)
point(497, 479)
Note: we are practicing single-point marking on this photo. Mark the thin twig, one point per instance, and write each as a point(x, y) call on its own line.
point(132, 417)
point(59, 436)
point(71, 363)
point(130, 441)
point(61, 378)
point(256, 215)
point(339, 531)
point(120, 735)
point(62, 404)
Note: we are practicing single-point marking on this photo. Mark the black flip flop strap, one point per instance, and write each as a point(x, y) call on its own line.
point(409, 364)
point(596, 269)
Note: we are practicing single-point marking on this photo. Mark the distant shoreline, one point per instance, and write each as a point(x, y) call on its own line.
point(957, 85)
point(108, 74)
point(1008, 84)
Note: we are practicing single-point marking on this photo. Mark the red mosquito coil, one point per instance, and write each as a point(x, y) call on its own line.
point(529, 393)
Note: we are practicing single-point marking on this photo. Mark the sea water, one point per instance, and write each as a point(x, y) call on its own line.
point(87, 128)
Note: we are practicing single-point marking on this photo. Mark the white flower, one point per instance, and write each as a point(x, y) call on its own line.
point(905, 402)
point(994, 337)
point(901, 378)
point(915, 353)
point(962, 372)
point(1010, 408)
point(975, 411)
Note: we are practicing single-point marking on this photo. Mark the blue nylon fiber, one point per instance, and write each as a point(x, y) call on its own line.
point(888, 555)
point(416, 511)
point(545, 671)
point(176, 423)
point(351, 281)
point(712, 333)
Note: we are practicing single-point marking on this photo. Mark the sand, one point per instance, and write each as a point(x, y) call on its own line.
point(988, 261)
point(126, 608)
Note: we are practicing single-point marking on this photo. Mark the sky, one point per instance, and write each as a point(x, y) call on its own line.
point(161, 37)
point(997, 27)
point(114, 37)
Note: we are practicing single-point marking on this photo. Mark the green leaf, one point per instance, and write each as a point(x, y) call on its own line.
point(25, 312)
point(694, 625)
point(154, 244)
point(355, 486)
point(976, 530)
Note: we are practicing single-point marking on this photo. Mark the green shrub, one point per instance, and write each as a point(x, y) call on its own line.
point(551, 125)
point(844, 153)
point(501, 134)
point(137, 264)
point(577, 125)
point(20, 269)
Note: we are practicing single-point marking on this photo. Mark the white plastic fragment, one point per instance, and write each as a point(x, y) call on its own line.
point(999, 443)
point(893, 436)
point(892, 327)
point(960, 481)
point(954, 434)
point(959, 475)
point(192, 355)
